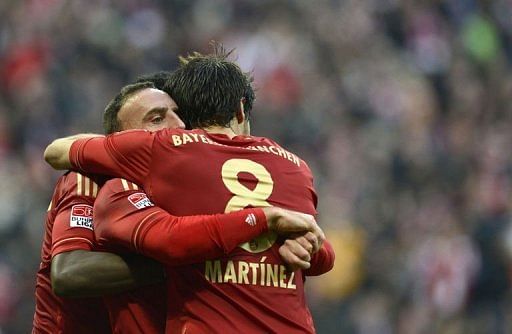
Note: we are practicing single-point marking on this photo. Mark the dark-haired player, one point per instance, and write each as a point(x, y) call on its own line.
point(213, 169)
point(79, 269)
point(159, 79)
point(68, 264)
point(143, 310)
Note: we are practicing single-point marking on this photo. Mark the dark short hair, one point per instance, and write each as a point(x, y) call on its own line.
point(159, 79)
point(110, 121)
point(208, 88)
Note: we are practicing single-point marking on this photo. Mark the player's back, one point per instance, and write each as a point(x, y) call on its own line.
point(249, 290)
point(210, 173)
point(67, 228)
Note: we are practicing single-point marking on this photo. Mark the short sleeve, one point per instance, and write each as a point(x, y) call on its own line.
point(73, 223)
point(125, 154)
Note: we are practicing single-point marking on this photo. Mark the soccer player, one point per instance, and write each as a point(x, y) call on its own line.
point(68, 244)
point(213, 169)
point(193, 239)
point(68, 265)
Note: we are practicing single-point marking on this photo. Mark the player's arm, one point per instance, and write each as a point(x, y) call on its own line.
point(77, 270)
point(124, 154)
point(313, 255)
point(84, 273)
point(127, 219)
point(321, 261)
point(307, 252)
point(57, 153)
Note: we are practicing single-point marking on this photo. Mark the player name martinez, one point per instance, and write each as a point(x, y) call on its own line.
point(186, 138)
point(253, 273)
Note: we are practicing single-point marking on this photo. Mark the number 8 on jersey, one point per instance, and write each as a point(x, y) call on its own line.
point(244, 197)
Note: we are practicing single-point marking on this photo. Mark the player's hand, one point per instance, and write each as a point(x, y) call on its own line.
point(296, 254)
point(309, 241)
point(292, 223)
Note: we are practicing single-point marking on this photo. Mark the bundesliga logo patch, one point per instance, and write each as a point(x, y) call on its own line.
point(81, 216)
point(140, 200)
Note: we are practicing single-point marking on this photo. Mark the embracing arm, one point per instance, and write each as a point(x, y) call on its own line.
point(322, 261)
point(184, 240)
point(81, 273)
point(151, 231)
point(122, 154)
point(57, 153)
point(76, 269)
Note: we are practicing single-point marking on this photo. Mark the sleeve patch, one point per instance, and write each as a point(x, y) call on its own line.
point(81, 216)
point(140, 200)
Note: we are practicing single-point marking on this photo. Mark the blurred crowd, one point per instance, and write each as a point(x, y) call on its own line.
point(401, 108)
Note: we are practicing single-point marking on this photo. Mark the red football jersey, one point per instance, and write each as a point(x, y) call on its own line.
point(142, 310)
point(68, 227)
point(193, 172)
point(124, 217)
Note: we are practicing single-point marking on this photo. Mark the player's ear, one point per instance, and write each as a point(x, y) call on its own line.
point(240, 113)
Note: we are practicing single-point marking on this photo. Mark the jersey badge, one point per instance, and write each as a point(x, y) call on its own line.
point(81, 216)
point(140, 200)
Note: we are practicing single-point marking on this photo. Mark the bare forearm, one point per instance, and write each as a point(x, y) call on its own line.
point(57, 153)
point(89, 274)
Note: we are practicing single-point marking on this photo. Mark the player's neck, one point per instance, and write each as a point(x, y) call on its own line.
point(221, 130)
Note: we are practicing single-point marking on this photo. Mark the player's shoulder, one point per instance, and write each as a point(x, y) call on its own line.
point(122, 191)
point(119, 185)
point(266, 141)
point(128, 132)
point(130, 135)
point(77, 184)
point(278, 149)
point(169, 131)
point(73, 188)
point(259, 138)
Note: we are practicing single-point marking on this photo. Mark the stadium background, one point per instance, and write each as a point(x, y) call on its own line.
point(402, 109)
